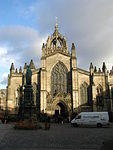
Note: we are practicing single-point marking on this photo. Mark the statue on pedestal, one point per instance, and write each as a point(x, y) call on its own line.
point(28, 109)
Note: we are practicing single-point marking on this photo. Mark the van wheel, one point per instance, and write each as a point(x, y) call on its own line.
point(75, 125)
point(99, 125)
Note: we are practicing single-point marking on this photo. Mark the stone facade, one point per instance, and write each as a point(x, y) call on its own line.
point(59, 85)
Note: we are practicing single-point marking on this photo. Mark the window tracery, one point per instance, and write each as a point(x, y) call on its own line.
point(59, 79)
point(84, 93)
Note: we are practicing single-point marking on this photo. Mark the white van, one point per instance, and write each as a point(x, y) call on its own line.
point(91, 118)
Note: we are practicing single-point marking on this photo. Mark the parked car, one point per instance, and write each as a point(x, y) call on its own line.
point(98, 119)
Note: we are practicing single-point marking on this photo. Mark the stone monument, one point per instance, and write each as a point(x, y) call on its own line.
point(27, 112)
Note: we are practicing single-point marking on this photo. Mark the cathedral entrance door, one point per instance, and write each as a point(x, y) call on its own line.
point(61, 109)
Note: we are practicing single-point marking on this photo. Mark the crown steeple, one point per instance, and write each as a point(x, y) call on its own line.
point(55, 43)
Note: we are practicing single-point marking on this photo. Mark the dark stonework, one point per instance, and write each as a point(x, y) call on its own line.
point(28, 103)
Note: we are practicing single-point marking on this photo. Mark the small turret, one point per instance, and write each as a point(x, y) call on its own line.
point(12, 69)
point(73, 57)
point(104, 69)
point(20, 70)
point(73, 54)
point(91, 68)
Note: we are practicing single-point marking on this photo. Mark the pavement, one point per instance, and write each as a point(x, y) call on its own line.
point(63, 137)
point(107, 145)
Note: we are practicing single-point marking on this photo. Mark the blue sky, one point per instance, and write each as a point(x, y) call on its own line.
point(25, 25)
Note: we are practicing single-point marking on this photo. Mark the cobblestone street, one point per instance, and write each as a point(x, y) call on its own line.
point(58, 137)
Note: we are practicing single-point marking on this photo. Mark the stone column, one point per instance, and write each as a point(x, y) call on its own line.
point(43, 91)
point(74, 78)
point(43, 88)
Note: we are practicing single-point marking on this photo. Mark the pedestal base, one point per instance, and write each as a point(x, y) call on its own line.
point(27, 125)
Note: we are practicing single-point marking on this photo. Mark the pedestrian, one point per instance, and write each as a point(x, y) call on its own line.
point(47, 123)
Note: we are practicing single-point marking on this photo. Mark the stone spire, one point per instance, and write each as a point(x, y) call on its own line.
point(99, 70)
point(91, 68)
point(25, 66)
point(20, 70)
point(32, 66)
point(73, 54)
point(43, 50)
point(95, 69)
point(104, 67)
point(12, 69)
point(55, 34)
point(56, 25)
point(16, 71)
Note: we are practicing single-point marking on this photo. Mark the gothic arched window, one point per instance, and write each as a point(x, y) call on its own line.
point(84, 93)
point(59, 79)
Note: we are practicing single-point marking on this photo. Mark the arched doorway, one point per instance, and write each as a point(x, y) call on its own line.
point(61, 110)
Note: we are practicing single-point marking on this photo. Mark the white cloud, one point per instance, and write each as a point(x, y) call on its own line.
point(3, 51)
point(4, 80)
point(21, 44)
